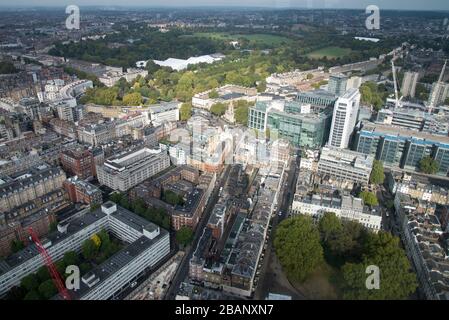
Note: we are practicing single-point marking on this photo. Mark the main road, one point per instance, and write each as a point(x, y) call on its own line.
point(183, 269)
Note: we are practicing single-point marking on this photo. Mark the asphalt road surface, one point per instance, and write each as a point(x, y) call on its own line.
point(183, 269)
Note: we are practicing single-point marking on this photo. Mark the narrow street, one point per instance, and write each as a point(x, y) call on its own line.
point(272, 279)
point(183, 269)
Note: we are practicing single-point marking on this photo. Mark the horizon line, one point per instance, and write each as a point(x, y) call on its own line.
point(56, 6)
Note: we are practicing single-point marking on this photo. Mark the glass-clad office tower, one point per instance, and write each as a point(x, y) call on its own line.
point(293, 121)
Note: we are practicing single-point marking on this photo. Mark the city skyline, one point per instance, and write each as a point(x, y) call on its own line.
point(431, 5)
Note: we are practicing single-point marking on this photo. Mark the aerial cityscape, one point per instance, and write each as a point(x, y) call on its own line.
point(283, 150)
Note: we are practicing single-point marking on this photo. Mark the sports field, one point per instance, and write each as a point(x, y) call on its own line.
point(266, 39)
point(329, 52)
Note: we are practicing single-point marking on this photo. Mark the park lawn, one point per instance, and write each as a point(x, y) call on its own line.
point(266, 39)
point(329, 52)
point(321, 285)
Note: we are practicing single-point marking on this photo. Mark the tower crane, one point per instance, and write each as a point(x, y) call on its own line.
point(57, 280)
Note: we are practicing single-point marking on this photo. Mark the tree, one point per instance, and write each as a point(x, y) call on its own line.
point(116, 197)
point(241, 112)
point(96, 239)
point(17, 245)
point(397, 281)
point(345, 244)
point(132, 99)
point(7, 67)
point(32, 295)
point(185, 112)
point(172, 198)
point(105, 240)
point(70, 258)
point(213, 94)
point(297, 245)
point(61, 266)
point(43, 274)
point(218, 109)
point(151, 67)
point(47, 289)
point(30, 282)
point(124, 202)
point(309, 76)
point(377, 173)
point(89, 249)
point(262, 86)
point(85, 268)
point(329, 225)
point(369, 198)
point(16, 293)
point(184, 236)
point(53, 226)
point(94, 207)
point(428, 165)
point(372, 94)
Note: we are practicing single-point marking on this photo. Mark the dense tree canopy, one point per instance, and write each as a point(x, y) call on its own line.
point(70, 258)
point(184, 236)
point(373, 94)
point(156, 215)
point(30, 282)
point(132, 99)
point(17, 245)
point(218, 109)
point(297, 245)
point(369, 198)
point(185, 112)
point(397, 281)
point(428, 165)
point(341, 240)
point(89, 249)
point(7, 67)
point(47, 289)
point(377, 173)
point(172, 198)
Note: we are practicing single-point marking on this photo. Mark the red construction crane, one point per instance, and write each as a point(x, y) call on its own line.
point(57, 280)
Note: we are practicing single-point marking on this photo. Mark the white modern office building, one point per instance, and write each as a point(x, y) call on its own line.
point(165, 111)
point(344, 118)
point(146, 245)
point(129, 168)
point(342, 164)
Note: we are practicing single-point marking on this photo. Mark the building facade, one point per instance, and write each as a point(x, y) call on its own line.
point(345, 165)
point(126, 170)
point(344, 119)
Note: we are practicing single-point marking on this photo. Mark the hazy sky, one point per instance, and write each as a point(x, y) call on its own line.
point(383, 4)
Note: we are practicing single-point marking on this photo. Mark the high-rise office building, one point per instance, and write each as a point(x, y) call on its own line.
point(337, 84)
point(403, 148)
point(292, 121)
point(409, 82)
point(344, 118)
point(438, 94)
point(440, 91)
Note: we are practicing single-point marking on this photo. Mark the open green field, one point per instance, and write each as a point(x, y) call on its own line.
point(329, 52)
point(266, 39)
